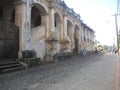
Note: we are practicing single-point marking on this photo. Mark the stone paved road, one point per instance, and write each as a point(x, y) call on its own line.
point(93, 72)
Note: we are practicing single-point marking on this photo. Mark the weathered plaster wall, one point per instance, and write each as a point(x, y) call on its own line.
point(68, 27)
point(38, 41)
point(40, 48)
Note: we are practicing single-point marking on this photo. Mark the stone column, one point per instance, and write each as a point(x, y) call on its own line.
point(72, 37)
point(82, 38)
point(28, 27)
point(20, 21)
point(45, 22)
point(49, 28)
point(52, 25)
point(65, 25)
point(67, 32)
point(79, 40)
point(59, 29)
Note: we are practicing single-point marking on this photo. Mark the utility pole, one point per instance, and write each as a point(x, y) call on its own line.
point(117, 31)
point(116, 24)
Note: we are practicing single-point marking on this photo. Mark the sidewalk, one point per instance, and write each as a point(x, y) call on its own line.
point(24, 78)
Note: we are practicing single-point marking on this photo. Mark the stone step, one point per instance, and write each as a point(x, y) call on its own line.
point(10, 66)
point(7, 70)
point(8, 62)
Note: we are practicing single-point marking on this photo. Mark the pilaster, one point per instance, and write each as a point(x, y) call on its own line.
point(51, 20)
point(20, 21)
point(79, 41)
point(65, 25)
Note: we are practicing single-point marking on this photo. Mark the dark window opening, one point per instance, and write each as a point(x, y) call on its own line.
point(13, 16)
point(88, 40)
point(38, 21)
point(67, 31)
point(84, 39)
point(1, 14)
point(76, 44)
point(55, 22)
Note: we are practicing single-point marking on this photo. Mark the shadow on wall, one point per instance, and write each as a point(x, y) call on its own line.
point(29, 54)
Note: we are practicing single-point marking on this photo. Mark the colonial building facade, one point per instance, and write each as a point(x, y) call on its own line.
point(46, 27)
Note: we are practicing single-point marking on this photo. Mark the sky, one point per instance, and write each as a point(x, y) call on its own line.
point(98, 15)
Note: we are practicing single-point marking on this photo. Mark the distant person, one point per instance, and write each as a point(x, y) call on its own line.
point(84, 51)
point(96, 51)
point(115, 51)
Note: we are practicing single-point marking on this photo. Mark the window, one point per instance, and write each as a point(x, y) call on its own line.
point(1, 14)
point(38, 21)
point(13, 16)
point(55, 21)
point(84, 39)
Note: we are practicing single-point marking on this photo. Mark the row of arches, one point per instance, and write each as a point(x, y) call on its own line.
point(36, 18)
point(38, 11)
point(72, 30)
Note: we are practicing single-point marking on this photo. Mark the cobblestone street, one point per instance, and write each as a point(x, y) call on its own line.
point(92, 72)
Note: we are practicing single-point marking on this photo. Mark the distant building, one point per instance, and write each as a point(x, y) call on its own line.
point(87, 37)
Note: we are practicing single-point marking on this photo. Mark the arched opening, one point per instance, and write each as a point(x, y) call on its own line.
point(57, 20)
point(35, 17)
point(38, 21)
point(69, 28)
point(57, 25)
point(13, 16)
point(1, 13)
point(9, 33)
point(70, 34)
point(76, 38)
point(38, 28)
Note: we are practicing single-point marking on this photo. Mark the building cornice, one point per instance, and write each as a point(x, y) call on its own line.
point(20, 2)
